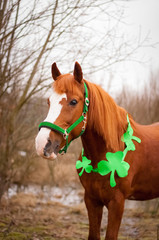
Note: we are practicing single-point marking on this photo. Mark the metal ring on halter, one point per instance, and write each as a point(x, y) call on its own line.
point(87, 101)
point(62, 153)
point(65, 134)
point(85, 116)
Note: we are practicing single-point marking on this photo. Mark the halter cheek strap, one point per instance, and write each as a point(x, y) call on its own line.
point(66, 132)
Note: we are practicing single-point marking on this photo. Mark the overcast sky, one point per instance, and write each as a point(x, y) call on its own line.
point(141, 18)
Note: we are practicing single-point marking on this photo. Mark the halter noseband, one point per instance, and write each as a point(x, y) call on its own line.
point(66, 132)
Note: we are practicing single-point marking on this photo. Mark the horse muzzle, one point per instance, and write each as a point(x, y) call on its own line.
point(51, 149)
point(45, 146)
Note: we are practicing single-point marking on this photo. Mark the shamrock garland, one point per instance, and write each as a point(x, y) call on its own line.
point(115, 161)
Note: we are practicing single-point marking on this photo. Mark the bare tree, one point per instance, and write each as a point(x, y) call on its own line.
point(28, 34)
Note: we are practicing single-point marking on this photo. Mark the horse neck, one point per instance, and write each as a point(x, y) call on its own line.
point(106, 123)
point(94, 146)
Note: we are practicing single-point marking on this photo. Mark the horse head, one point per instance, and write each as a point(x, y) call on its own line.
point(66, 118)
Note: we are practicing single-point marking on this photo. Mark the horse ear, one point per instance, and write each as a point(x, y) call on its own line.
point(78, 74)
point(55, 71)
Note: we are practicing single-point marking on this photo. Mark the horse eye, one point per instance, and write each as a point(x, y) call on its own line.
point(73, 102)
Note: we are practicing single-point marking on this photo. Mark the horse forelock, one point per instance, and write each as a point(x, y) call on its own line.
point(106, 117)
point(67, 84)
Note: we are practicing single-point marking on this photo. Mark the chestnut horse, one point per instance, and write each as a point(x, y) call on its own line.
point(101, 126)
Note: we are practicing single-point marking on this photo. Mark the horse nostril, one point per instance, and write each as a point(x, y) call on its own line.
point(48, 143)
point(45, 153)
point(47, 149)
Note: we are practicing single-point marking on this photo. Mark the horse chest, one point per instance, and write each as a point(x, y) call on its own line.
point(97, 187)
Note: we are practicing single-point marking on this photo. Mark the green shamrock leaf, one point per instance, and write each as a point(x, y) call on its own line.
point(104, 167)
point(128, 137)
point(84, 164)
point(115, 163)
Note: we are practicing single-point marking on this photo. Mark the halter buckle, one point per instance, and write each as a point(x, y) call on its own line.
point(84, 126)
point(84, 120)
point(65, 134)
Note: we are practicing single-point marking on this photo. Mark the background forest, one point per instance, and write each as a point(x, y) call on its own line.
point(32, 36)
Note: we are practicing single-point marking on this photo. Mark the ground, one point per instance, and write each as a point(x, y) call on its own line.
point(28, 217)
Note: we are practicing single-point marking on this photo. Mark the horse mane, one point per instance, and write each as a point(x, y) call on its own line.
point(106, 117)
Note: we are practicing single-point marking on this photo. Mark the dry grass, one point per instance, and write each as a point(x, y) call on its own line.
point(26, 217)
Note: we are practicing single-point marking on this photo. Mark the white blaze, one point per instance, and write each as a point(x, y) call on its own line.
point(54, 111)
point(55, 107)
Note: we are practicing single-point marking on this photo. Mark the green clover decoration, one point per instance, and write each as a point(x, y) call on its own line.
point(115, 161)
point(128, 137)
point(84, 165)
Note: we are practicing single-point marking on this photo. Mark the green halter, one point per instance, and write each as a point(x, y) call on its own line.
point(66, 132)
